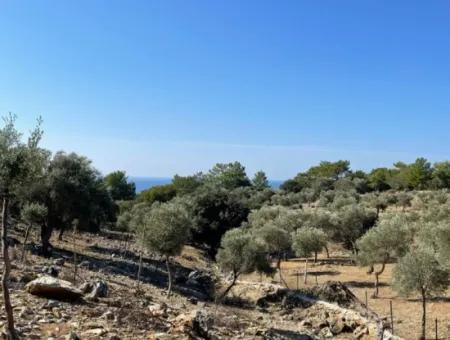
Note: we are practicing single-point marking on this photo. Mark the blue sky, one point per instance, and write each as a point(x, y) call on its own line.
point(164, 87)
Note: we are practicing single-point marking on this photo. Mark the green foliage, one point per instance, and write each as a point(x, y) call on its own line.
point(165, 228)
point(308, 240)
point(352, 222)
point(228, 175)
point(158, 193)
point(420, 272)
point(435, 234)
point(332, 170)
point(240, 253)
point(119, 187)
point(215, 211)
point(20, 162)
point(34, 213)
point(391, 237)
point(441, 175)
point(379, 179)
point(75, 190)
point(184, 185)
point(259, 218)
point(291, 185)
point(276, 239)
point(260, 181)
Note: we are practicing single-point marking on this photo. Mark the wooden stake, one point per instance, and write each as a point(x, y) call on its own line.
point(306, 271)
point(436, 328)
point(392, 317)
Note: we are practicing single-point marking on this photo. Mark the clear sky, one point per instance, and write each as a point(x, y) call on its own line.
point(163, 87)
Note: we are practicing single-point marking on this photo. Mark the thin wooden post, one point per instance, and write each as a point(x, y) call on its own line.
point(75, 264)
point(392, 317)
point(367, 303)
point(436, 328)
point(306, 271)
point(298, 274)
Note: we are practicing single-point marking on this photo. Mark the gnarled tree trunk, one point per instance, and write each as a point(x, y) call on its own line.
point(25, 240)
point(233, 282)
point(377, 275)
point(282, 281)
point(10, 330)
point(169, 277)
point(424, 313)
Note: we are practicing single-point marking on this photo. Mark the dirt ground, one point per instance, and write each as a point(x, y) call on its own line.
point(407, 312)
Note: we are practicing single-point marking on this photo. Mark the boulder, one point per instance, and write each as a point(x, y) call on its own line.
point(202, 323)
point(198, 321)
point(201, 281)
point(95, 289)
point(53, 288)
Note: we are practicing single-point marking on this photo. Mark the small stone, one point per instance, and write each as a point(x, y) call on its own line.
point(94, 332)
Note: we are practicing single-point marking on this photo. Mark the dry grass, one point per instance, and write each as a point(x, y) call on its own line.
point(407, 311)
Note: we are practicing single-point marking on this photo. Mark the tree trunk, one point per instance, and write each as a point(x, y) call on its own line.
point(424, 314)
point(169, 277)
point(75, 262)
point(328, 253)
point(233, 282)
point(139, 270)
point(46, 233)
point(61, 233)
point(377, 275)
point(315, 257)
point(282, 281)
point(25, 240)
point(10, 330)
point(306, 271)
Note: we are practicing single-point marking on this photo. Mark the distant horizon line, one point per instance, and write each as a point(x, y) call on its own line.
point(170, 177)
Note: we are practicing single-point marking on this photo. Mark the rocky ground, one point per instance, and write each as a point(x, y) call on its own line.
point(104, 301)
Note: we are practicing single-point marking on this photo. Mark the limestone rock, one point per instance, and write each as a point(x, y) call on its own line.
point(53, 288)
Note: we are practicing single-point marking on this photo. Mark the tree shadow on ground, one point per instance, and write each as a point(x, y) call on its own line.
point(431, 299)
point(153, 271)
point(317, 273)
point(325, 261)
point(364, 284)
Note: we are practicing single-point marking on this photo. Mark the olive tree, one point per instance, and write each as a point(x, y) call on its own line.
point(389, 238)
point(166, 232)
point(19, 165)
point(240, 253)
point(325, 221)
point(32, 214)
point(307, 241)
point(277, 241)
point(351, 223)
point(420, 272)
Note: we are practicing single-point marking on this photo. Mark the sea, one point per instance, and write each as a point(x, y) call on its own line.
point(143, 183)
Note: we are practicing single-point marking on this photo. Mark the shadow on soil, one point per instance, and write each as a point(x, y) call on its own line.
point(153, 271)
